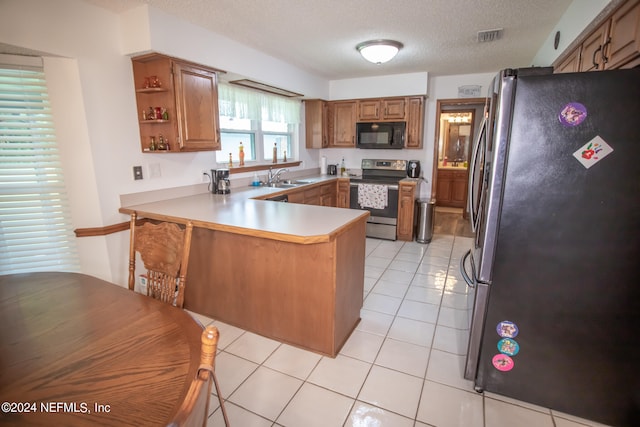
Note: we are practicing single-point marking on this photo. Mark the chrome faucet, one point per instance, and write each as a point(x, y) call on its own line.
point(272, 177)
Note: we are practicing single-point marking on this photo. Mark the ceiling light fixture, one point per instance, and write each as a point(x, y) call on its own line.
point(379, 51)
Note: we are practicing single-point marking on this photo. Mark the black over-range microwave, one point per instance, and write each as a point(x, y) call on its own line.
point(380, 135)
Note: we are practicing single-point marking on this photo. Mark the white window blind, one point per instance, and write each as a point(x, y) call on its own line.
point(35, 226)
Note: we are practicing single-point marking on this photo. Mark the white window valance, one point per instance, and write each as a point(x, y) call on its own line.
point(241, 103)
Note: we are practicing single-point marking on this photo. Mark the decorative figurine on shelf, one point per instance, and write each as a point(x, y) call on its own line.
point(155, 82)
point(152, 144)
point(147, 83)
point(284, 156)
point(230, 160)
point(165, 114)
point(241, 154)
point(151, 115)
point(275, 152)
point(161, 144)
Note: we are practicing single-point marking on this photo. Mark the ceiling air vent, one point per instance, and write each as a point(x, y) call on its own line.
point(490, 35)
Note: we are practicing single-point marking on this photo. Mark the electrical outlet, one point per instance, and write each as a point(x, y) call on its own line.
point(137, 172)
point(154, 170)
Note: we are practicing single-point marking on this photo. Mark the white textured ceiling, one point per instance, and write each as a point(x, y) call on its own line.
point(320, 36)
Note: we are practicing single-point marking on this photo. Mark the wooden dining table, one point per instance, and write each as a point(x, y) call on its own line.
point(76, 351)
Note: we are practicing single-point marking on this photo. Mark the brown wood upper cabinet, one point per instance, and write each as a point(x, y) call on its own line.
point(177, 100)
point(381, 109)
point(415, 122)
point(333, 123)
point(316, 120)
point(342, 124)
point(615, 43)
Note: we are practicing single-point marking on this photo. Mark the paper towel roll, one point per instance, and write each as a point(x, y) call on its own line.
point(323, 165)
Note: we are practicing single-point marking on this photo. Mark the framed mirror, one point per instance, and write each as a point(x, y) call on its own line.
point(455, 138)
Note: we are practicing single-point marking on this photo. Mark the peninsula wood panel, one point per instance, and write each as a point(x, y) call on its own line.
point(306, 295)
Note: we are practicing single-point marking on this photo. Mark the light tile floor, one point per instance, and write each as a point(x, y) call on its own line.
point(402, 366)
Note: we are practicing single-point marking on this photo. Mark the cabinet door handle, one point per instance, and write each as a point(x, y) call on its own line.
point(604, 51)
point(593, 60)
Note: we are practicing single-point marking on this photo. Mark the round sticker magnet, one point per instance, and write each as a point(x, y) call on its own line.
point(502, 362)
point(573, 114)
point(507, 329)
point(508, 346)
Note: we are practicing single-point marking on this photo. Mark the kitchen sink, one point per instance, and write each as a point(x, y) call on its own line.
point(285, 184)
point(288, 183)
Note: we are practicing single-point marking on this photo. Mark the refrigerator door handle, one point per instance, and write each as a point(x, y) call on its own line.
point(470, 282)
point(471, 205)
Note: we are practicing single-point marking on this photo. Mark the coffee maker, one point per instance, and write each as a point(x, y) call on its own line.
point(220, 181)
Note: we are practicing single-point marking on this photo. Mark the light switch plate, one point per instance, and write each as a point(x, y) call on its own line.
point(137, 172)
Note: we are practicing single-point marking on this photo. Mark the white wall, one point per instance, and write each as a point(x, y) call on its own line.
point(578, 15)
point(379, 86)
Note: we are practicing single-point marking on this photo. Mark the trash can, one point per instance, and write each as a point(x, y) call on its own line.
point(425, 210)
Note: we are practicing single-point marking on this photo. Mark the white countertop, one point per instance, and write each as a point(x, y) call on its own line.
point(454, 168)
point(239, 213)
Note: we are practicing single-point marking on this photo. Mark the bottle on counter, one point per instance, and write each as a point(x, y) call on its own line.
point(343, 169)
point(241, 154)
point(256, 181)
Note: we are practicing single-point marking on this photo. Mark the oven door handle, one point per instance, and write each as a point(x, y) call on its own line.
point(389, 186)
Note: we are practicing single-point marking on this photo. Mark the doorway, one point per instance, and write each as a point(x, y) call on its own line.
point(457, 123)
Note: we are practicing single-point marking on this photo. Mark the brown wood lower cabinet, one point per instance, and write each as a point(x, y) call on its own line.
point(322, 194)
point(308, 295)
point(343, 201)
point(328, 194)
point(406, 210)
point(452, 188)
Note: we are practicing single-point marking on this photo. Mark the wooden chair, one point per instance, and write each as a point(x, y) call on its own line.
point(195, 408)
point(164, 249)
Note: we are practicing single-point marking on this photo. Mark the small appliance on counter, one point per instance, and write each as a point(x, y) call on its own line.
point(332, 169)
point(413, 168)
point(220, 181)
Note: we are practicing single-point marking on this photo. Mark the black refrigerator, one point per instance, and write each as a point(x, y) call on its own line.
point(555, 263)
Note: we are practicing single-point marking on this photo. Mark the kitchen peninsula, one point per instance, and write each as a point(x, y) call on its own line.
point(287, 271)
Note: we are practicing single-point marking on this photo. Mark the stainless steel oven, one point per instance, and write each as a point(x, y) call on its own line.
point(381, 177)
